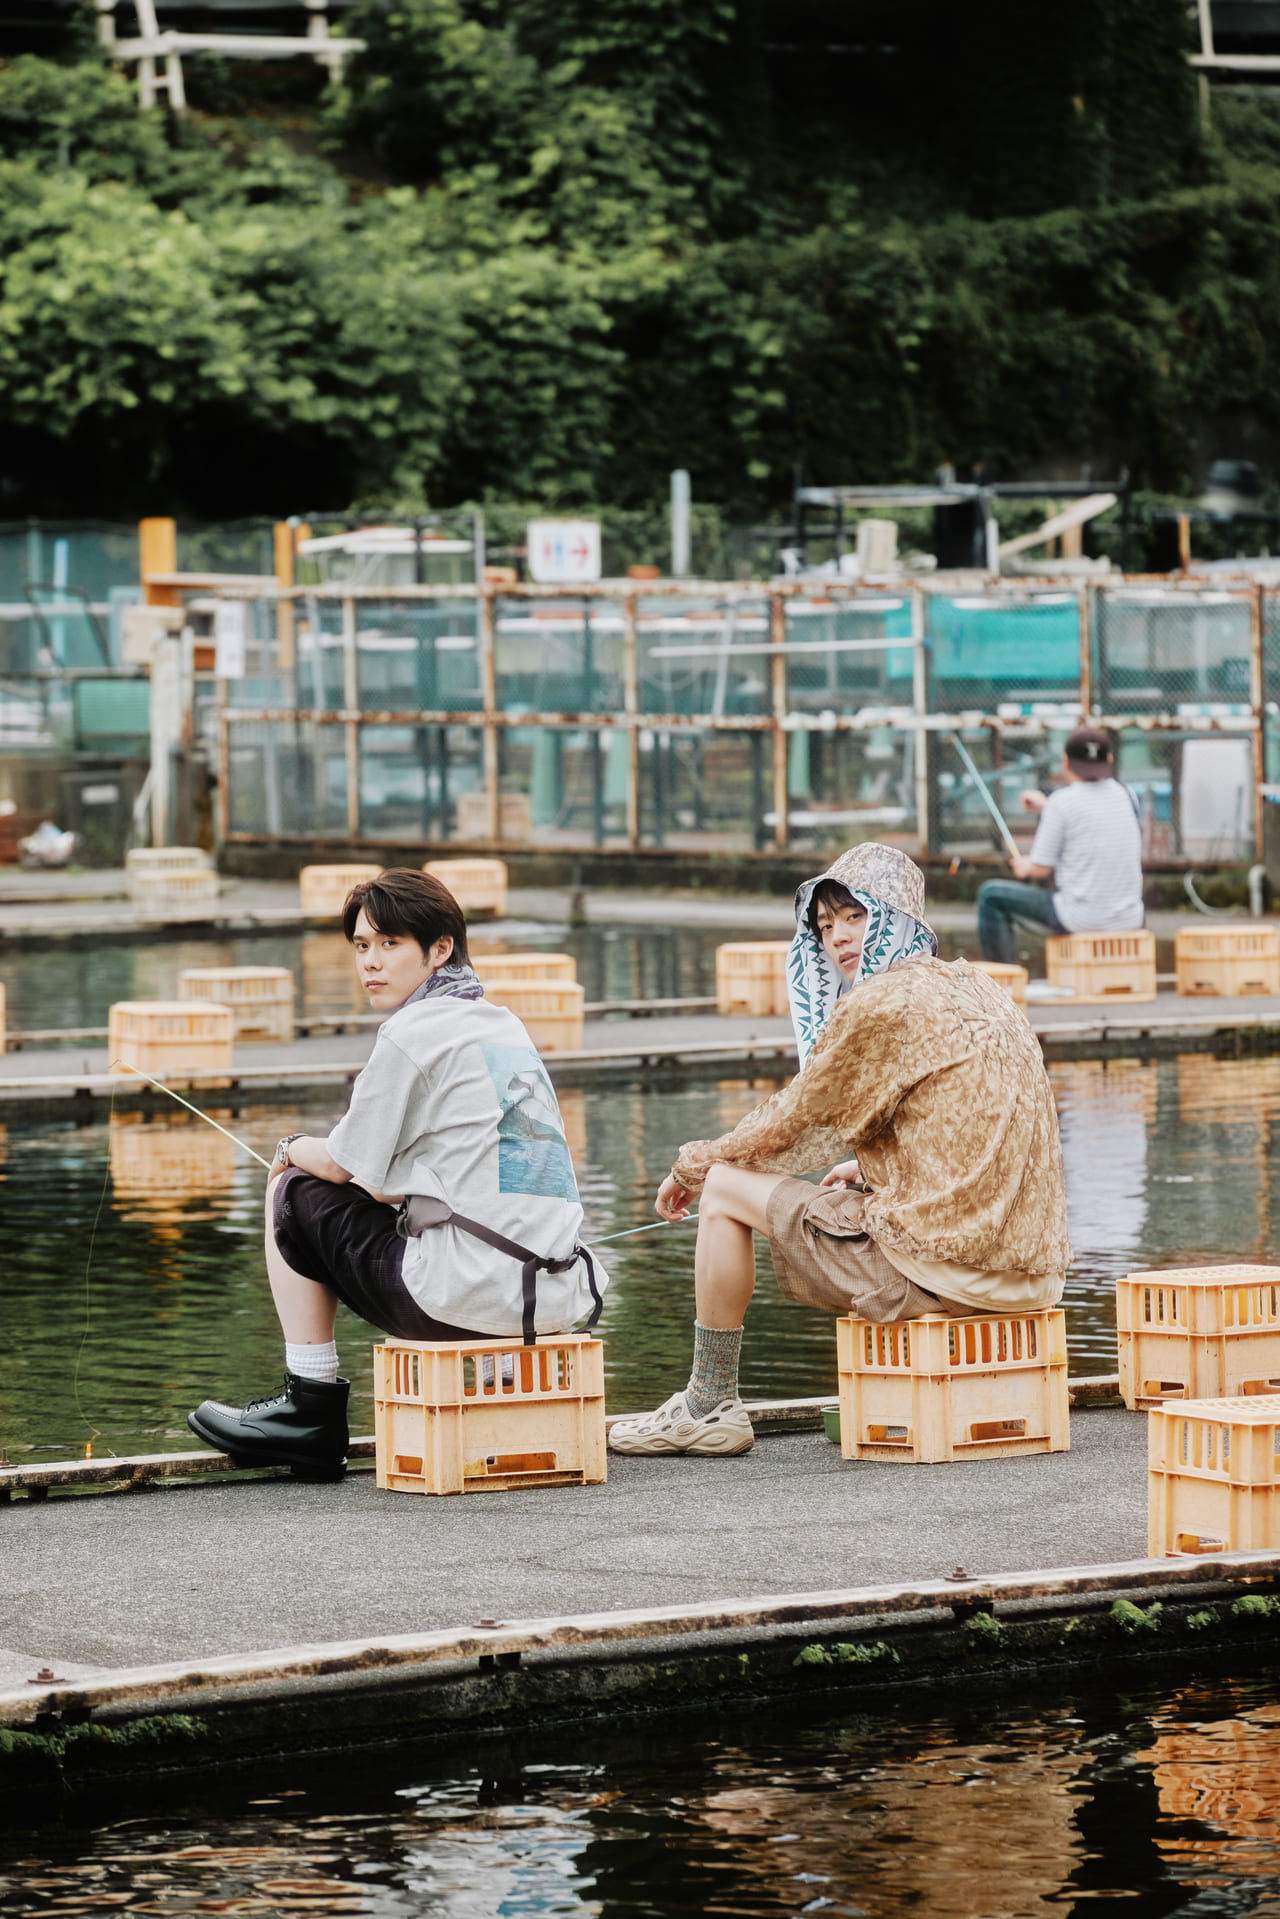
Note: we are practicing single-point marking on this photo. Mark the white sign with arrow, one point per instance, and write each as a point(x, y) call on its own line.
point(564, 552)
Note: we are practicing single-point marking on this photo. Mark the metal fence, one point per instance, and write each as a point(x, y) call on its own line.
point(737, 717)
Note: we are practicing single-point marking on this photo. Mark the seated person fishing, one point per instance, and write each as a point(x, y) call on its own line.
point(932, 1078)
point(454, 1114)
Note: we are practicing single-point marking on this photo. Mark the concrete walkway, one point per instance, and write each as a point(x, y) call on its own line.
point(194, 1569)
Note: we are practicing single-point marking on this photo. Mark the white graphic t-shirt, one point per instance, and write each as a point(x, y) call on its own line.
point(455, 1103)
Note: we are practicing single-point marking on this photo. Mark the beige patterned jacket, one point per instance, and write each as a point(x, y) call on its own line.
point(933, 1077)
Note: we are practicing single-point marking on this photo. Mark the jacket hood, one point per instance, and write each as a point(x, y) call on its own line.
point(891, 889)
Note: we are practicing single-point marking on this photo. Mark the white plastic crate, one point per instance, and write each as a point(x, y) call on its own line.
point(944, 1388)
point(323, 890)
point(550, 1010)
point(751, 978)
point(1198, 1332)
point(1231, 962)
point(170, 1037)
point(479, 886)
point(489, 1415)
point(260, 997)
point(1100, 968)
point(1214, 1476)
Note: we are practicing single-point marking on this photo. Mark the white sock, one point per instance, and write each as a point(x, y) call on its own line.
point(312, 1362)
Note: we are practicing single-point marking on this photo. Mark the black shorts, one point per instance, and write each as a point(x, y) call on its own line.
point(341, 1238)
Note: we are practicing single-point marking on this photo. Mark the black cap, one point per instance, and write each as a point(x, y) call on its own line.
point(1089, 751)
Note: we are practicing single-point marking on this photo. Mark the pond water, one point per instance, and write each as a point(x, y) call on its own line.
point(1163, 1795)
point(51, 987)
point(70, 986)
point(133, 1283)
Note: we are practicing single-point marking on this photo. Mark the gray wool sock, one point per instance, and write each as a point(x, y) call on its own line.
point(715, 1367)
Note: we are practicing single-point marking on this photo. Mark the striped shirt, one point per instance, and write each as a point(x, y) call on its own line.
point(1089, 835)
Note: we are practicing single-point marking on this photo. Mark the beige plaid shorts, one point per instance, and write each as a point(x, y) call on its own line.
point(823, 1256)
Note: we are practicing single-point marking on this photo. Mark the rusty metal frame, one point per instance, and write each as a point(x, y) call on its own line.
point(775, 718)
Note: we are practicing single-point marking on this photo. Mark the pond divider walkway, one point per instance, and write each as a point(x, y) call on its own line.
point(253, 1619)
point(45, 1084)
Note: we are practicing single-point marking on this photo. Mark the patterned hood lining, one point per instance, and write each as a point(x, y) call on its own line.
point(890, 888)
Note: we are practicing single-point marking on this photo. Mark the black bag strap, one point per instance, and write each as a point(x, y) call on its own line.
point(531, 1263)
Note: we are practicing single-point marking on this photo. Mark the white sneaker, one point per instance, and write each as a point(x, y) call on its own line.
point(673, 1429)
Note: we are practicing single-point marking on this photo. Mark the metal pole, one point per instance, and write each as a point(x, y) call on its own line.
point(985, 795)
point(920, 705)
point(351, 726)
point(778, 638)
point(1084, 617)
point(631, 707)
point(1257, 699)
point(488, 700)
point(679, 524)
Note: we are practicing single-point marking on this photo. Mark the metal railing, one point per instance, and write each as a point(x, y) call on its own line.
point(720, 715)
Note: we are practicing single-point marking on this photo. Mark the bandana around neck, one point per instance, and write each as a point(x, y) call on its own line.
point(451, 981)
point(815, 982)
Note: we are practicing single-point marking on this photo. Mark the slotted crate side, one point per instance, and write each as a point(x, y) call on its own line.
point(479, 886)
point(937, 1388)
point(260, 997)
point(2, 1017)
point(751, 978)
point(1014, 979)
point(144, 863)
point(1214, 1476)
point(539, 1416)
point(526, 966)
point(1101, 967)
point(1197, 1332)
point(323, 890)
point(163, 1036)
point(550, 1010)
point(1230, 962)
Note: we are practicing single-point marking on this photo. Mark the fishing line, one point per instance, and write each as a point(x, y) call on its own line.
point(120, 1065)
point(94, 1431)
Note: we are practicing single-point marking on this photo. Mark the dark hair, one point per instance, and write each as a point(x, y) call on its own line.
point(829, 893)
point(412, 905)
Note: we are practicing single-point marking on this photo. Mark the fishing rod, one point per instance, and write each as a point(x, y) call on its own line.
point(980, 783)
point(118, 1065)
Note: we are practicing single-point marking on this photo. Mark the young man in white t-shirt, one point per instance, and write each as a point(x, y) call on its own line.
point(1088, 842)
point(453, 1115)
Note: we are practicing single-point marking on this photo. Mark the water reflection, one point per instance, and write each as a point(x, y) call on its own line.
point(986, 1806)
point(1166, 1165)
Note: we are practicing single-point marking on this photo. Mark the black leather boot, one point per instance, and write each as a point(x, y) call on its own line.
point(304, 1427)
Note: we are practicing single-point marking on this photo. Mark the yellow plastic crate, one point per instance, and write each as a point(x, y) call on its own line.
point(1231, 962)
point(1012, 978)
point(515, 817)
point(1100, 968)
point(1198, 1332)
point(143, 862)
point(165, 1037)
point(479, 886)
point(942, 1388)
point(260, 997)
point(324, 889)
point(751, 978)
point(526, 966)
point(1213, 1481)
point(550, 1010)
point(489, 1415)
point(175, 895)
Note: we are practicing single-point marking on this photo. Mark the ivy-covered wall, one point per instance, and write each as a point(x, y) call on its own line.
point(549, 249)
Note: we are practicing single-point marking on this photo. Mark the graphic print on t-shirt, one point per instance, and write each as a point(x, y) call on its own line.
point(533, 1154)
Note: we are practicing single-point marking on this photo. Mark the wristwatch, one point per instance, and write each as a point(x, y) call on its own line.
point(282, 1150)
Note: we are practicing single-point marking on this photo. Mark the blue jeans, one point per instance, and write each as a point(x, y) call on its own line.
point(1000, 903)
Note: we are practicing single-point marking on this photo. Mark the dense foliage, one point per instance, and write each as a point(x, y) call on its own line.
point(555, 247)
